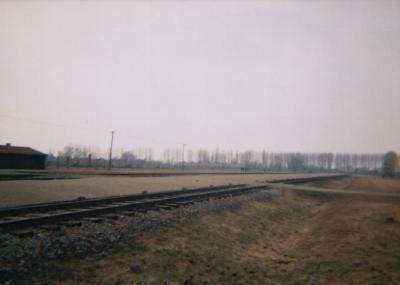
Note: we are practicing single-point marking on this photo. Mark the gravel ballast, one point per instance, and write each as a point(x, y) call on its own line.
point(37, 256)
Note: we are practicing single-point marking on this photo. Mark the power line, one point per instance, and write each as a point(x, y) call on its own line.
point(64, 126)
point(41, 122)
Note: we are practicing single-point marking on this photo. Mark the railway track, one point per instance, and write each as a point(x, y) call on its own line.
point(63, 212)
point(60, 212)
point(309, 179)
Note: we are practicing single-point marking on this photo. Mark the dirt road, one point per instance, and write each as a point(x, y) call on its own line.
point(331, 190)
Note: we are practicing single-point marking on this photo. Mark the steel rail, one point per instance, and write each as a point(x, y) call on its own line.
point(308, 179)
point(132, 206)
point(13, 217)
point(69, 204)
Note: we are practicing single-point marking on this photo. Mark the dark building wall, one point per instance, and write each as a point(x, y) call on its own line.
point(22, 161)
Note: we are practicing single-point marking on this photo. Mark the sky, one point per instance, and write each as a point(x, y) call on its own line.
point(309, 76)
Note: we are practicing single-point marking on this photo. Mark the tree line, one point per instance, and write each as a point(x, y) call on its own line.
point(84, 156)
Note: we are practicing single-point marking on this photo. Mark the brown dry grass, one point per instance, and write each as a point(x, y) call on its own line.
point(295, 239)
point(35, 191)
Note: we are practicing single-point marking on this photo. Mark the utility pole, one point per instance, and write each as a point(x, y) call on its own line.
point(183, 157)
point(109, 160)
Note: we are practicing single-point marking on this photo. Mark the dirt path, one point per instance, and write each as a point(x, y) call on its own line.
point(363, 183)
point(348, 191)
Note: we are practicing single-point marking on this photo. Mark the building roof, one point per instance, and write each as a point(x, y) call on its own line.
point(7, 149)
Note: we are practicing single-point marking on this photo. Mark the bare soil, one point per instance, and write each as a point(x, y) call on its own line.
point(293, 239)
point(36, 191)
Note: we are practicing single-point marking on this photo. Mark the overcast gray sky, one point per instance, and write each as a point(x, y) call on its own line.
point(280, 75)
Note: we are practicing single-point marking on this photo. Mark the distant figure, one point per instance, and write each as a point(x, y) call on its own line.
point(390, 162)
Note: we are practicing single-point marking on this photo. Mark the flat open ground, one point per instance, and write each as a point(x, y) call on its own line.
point(34, 191)
point(293, 239)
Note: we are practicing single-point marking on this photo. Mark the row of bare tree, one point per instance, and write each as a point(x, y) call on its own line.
point(77, 155)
